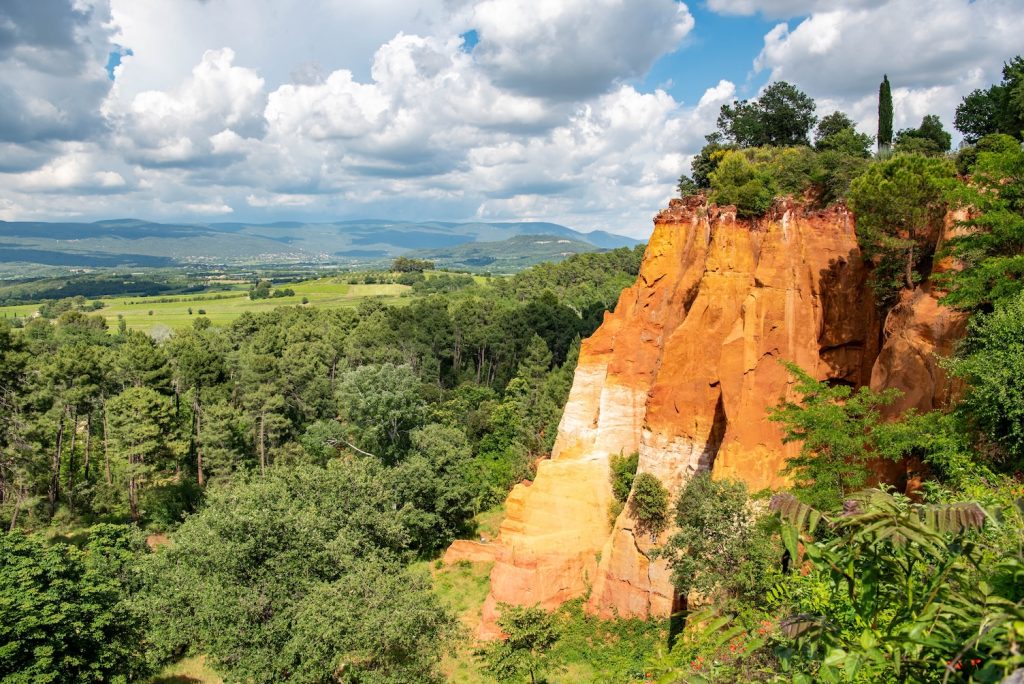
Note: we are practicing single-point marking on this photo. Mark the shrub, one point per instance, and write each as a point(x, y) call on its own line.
point(623, 471)
point(738, 182)
point(648, 505)
point(719, 546)
point(992, 362)
point(900, 204)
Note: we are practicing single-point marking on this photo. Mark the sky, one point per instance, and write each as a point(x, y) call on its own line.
point(581, 112)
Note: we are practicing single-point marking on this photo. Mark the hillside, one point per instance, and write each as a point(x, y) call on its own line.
point(29, 247)
point(505, 256)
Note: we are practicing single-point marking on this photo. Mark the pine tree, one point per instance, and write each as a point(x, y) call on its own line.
point(884, 115)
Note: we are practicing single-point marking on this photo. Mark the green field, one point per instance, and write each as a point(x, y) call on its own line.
point(172, 311)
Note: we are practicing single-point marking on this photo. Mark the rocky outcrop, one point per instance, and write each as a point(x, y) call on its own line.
point(684, 372)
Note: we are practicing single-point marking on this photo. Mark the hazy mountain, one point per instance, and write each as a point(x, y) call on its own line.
point(131, 242)
point(514, 254)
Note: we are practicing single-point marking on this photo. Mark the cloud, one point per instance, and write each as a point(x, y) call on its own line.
point(575, 48)
point(52, 77)
point(934, 52)
point(321, 109)
point(202, 120)
point(78, 170)
point(779, 9)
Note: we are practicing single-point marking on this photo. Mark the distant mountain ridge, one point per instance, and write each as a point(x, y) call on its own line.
point(137, 243)
point(505, 256)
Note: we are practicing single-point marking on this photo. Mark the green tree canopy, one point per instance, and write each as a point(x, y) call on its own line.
point(742, 184)
point(991, 248)
point(781, 115)
point(930, 138)
point(900, 205)
point(67, 614)
point(997, 109)
point(529, 633)
point(297, 577)
point(839, 430)
point(719, 548)
point(837, 132)
point(992, 363)
point(885, 113)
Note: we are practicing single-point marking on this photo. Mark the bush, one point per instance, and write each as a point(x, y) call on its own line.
point(719, 546)
point(738, 182)
point(68, 615)
point(648, 505)
point(409, 265)
point(167, 505)
point(623, 471)
point(992, 363)
point(900, 205)
point(297, 576)
point(530, 634)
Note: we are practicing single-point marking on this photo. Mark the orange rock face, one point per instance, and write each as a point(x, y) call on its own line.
point(684, 372)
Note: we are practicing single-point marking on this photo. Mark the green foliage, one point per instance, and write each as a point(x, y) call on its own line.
point(967, 157)
point(704, 164)
point(648, 505)
point(892, 595)
point(992, 363)
point(296, 576)
point(737, 182)
point(529, 634)
point(900, 205)
point(834, 173)
point(67, 615)
point(991, 246)
point(442, 483)
point(997, 109)
point(410, 265)
point(602, 651)
point(790, 168)
point(836, 132)
point(140, 422)
point(622, 473)
point(884, 114)
point(720, 548)
point(839, 430)
point(380, 405)
point(686, 186)
point(930, 138)
point(261, 290)
point(781, 115)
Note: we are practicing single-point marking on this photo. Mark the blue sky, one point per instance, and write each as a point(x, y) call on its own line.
point(582, 112)
point(719, 47)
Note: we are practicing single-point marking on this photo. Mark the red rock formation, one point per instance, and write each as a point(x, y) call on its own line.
point(684, 371)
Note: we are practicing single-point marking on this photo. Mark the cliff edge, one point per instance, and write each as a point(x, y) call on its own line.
point(684, 372)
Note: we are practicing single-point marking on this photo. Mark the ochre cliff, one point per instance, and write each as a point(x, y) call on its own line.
point(684, 372)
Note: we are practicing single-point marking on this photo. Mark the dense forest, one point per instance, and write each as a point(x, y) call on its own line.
point(359, 439)
point(291, 467)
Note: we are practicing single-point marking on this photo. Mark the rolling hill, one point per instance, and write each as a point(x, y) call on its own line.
point(39, 246)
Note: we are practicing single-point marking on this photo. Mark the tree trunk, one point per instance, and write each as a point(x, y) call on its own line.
point(133, 495)
point(71, 462)
point(198, 417)
point(17, 509)
point(909, 275)
point(262, 443)
point(106, 450)
point(54, 491)
point(88, 446)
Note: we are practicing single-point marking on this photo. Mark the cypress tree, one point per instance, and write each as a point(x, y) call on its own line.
point(884, 114)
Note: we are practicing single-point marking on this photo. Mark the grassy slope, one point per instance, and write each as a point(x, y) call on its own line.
point(187, 671)
point(325, 292)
